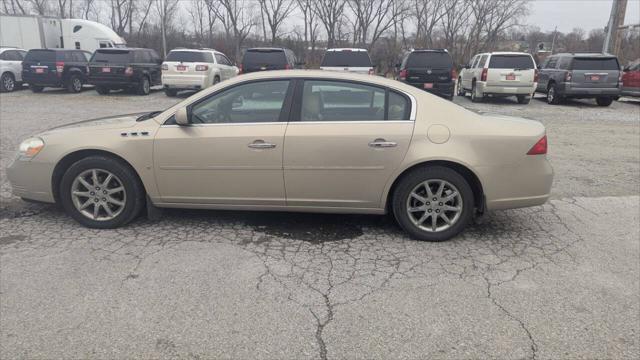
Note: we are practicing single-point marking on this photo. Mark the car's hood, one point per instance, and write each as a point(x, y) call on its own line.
point(110, 122)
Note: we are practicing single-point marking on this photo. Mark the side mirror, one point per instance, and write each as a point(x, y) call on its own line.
point(626, 68)
point(182, 117)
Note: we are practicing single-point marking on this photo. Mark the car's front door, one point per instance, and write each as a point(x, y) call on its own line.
point(232, 151)
point(343, 143)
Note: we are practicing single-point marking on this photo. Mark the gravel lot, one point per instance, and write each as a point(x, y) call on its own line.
point(557, 281)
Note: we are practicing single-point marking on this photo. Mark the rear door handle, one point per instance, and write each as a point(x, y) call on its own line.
point(260, 144)
point(382, 143)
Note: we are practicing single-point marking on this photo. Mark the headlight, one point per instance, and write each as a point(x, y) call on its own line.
point(31, 147)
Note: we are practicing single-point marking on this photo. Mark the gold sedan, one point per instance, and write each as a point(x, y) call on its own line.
point(293, 141)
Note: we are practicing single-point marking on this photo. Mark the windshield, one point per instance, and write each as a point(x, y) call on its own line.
point(439, 60)
point(113, 56)
point(189, 56)
point(595, 64)
point(40, 55)
point(346, 59)
point(511, 62)
point(263, 57)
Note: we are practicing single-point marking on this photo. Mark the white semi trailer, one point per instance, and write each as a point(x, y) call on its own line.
point(39, 32)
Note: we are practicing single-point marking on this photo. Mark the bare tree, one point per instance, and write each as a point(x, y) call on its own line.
point(428, 14)
point(120, 15)
point(40, 6)
point(310, 25)
point(166, 10)
point(13, 7)
point(330, 13)
point(275, 12)
point(237, 16)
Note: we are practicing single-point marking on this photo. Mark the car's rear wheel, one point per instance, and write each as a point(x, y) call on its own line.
point(475, 97)
point(171, 92)
point(102, 90)
point(523, 99)
point(36, 88)
point(75, 84)
point(604, 101)
point(101, 192)
point(144, 86)
point(552, 95)
point(7, 82)
point(433, 203)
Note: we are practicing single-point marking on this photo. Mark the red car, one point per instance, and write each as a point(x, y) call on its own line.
point(631, 79)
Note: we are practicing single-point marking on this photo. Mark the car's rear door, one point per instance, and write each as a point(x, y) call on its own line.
point(232, 152)
point(342, 143)
point(511, 70)
point(595, 72)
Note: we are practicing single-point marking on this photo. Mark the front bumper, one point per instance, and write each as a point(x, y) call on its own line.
point(501, 90)
point(522, 185)
point(186, 81)
point(31, 179)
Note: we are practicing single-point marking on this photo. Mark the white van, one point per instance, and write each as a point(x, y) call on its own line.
point(499, 74)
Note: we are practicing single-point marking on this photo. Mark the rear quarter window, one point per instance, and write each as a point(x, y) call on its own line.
point(595, 64)
point(440, 60)
point(116, 57)
point(511, 62)
point(346, 59)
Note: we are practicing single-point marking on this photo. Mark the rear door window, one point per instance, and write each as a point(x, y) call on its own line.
point(438, 60)
point(482, 62)
point(189, 56)
point(524, 62)
point(222, 60)
point(595, 64)
point(264, 57)
point(113, 56)
point(346, 59)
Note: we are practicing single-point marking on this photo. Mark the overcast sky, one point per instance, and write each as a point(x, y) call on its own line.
point(569, 14)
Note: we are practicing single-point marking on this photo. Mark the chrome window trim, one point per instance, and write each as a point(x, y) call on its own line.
point(293, 123)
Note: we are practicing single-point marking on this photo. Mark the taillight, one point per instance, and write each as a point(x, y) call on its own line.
point(239, 69)
point(454, 73)
point(287, 67)
point(620, 78)
point(403, 74)
point(165, 66)
point(535, 75)
point(540, 148)
point(128, 71)
point(202, 67)
point(59, 67)
point(483, 76)
point(567, 76)
point(371, 71)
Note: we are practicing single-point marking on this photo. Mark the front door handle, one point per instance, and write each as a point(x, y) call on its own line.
point(382, 143)
point(261, 144)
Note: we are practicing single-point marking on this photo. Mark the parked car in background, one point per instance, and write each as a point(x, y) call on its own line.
point(631, 79)
point(580, 76)
point(262, 59)
point(132, 69)
point(430, 70)
point(310, 141)
point(347, 59)
point(195, 69)
point(10, 68)
point(56, 68)
point(499, 74)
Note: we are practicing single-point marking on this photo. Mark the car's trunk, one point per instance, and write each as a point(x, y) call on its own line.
point(595, 72)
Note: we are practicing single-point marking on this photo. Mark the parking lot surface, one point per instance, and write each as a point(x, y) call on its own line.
point(557, 281)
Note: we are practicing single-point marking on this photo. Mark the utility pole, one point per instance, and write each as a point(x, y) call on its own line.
point(162, 28)
point(616, 19)
point(553, 41)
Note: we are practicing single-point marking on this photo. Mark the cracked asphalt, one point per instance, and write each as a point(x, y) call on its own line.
point(557, 281)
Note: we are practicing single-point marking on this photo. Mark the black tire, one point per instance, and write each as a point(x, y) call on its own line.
point(171, 92)
point(552, 95)
point(474, 96)
point(102, 90)
point(74, 84)
point(459, 88)
point(36, 88)
point(523, 99)
point(216, 79)
point(604, 101)
point(7, 82)
point(144, 86)
point(410, 181)
point(135, 194)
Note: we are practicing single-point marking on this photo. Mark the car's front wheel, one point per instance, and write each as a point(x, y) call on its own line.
point(433, 203)
point(102, 90)
point(523, 99)
point(171, 92)
point(36, 88)
point(604, 101)
point(101, 192)
point(459, 89)
point(7, 82)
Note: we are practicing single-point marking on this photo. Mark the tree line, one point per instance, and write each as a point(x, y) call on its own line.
point(385, 27)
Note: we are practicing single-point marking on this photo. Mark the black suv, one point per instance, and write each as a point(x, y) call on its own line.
point(431, 70)
point(57, 68)
point(125, 68)
point(586, 75)
point(261, 59)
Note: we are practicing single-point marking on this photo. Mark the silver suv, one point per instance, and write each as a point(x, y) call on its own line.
point(10, 68)
point(585, 75)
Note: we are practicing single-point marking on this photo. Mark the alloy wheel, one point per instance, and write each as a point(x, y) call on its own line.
point(434, 205)
point(98, 194)
point(77, 84)
point(551, 94)
point(8, 83)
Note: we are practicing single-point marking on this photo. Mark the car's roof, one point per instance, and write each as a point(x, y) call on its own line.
point(346, 49)
point(430, 50)
point(196, 50)
point(267, 49)
point(3, 48)
point(586, 54)
point(505, 53)
point(122, 49)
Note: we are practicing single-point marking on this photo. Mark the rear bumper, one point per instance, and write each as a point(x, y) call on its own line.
point(566, 89)
point(630, 91)
point(31, 180)
point(502, 90)
point(48, 81)
point(113, 82)
point(521, 185)
point(186, 81)
point(439, 88)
